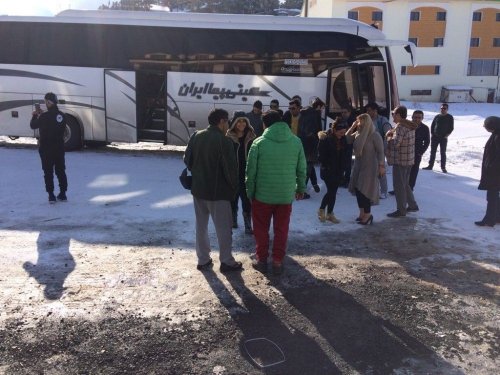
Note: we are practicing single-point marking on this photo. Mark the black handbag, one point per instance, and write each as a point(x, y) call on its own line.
point(185, 179)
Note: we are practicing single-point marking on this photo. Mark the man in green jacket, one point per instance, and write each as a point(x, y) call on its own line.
point(275, 176)
point(211, 159)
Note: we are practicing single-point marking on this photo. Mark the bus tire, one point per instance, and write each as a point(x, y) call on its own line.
point(72, 134)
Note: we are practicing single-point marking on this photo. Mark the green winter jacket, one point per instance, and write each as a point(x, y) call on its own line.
point(276, 166)
point(211, 159)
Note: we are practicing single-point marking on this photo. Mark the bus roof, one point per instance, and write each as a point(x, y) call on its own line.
point(207, 21)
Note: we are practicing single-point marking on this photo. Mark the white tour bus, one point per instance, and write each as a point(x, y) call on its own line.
point(154, 76)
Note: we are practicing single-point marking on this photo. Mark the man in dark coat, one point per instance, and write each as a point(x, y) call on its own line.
point(422, 140)
point(490, 173)
point(51, 125)
point(309, 126)
point(211, 159)
point(255, 117)
point(441, 128)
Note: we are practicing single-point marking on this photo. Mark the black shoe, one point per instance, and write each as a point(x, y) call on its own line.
point(444, 170)
point(368, 221)
point(428, 168)
point(259, 265)
point(306, 196)
point(412, 209)
point(316, 188)
point(237, 266)
point(52, 198)
point(392, 192)
point(483, 223)
point(62, 197)
point(277, 269)
point(206, 266)
point(396, 213)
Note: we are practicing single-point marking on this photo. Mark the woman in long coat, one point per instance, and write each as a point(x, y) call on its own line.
point(242, 134)
point(490, 173)
point(369, 164)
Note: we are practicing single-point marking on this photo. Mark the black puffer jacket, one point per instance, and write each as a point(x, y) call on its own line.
point(52, 125)
point(333, 156)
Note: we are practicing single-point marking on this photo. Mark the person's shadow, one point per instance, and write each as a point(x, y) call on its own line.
point(267, 343)
point(54, 264)
point(325, 330)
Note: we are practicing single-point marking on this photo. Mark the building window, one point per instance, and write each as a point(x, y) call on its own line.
point(496, 42)
point(403, 70)
point(437, 69)
point(421, 92)
point(474, 42)
point(498, 17)
point(414, 41)
point(353, 15)
point(483, 67)
point(414, 16)
point(477, 16)
point(438, 42)
point(377, 16)
point(441, 16)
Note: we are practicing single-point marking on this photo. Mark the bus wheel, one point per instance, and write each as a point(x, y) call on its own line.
point(72, 134)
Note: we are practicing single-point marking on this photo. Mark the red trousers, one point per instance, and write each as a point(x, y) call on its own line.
point(261, 216)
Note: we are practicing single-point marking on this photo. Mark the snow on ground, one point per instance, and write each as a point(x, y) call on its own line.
point(144, 186)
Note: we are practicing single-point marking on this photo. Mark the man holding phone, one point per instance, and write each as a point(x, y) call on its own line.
point(51, 125)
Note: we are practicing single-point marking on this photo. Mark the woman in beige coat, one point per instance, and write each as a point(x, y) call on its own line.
point(368, 165)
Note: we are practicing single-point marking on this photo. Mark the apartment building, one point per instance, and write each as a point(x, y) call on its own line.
point(458, 42)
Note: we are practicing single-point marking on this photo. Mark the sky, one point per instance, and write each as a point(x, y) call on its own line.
point(45, 7)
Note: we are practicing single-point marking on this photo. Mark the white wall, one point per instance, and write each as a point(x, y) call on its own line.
point(452, 57)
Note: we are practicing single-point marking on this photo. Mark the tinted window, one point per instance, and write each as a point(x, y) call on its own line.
point(193, 50)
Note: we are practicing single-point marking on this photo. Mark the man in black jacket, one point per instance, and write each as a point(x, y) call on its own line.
point(441, 128)
point(309, 126)
point(422, 140)
point(51, 125)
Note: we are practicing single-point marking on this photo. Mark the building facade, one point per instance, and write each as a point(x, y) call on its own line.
point(458, 43)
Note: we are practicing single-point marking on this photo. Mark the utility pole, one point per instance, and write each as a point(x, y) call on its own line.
point(306, 8)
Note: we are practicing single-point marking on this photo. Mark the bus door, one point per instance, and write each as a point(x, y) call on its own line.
point(357, 84)
point(120, 103)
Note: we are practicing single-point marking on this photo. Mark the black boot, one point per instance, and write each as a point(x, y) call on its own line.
point(248, 223)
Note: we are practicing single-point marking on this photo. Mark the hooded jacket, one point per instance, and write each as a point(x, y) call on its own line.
point(490, 168)
point(401, 147)
point(333, 155)
point(241, 146)
point(276, 167)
